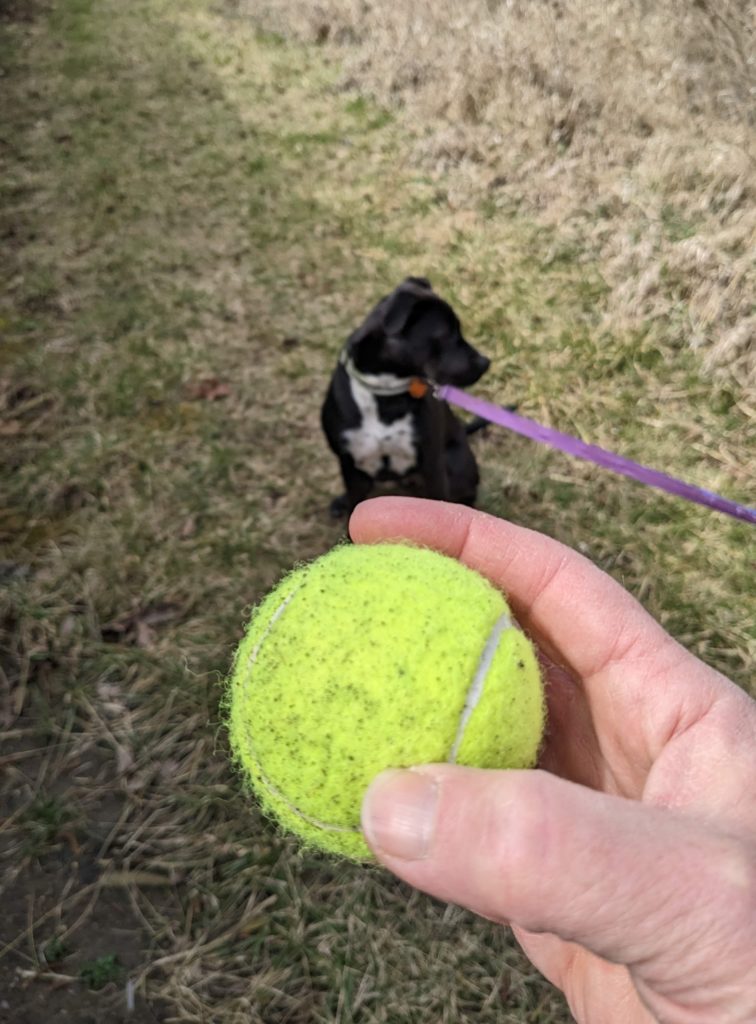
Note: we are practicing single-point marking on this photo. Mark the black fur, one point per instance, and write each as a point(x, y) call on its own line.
point(415, 443)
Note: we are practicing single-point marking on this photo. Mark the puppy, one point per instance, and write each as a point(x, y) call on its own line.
point(380, 416)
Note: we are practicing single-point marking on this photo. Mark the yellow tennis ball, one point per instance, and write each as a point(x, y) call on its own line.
point(376, 656)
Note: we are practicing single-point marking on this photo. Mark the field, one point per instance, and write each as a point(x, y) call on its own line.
point(199, 200)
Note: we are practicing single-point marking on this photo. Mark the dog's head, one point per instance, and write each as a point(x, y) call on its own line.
point(414, 333)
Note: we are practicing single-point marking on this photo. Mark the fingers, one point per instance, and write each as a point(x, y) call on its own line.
point(641, 687)
point(631, 883)
point(570, 606)
point(595, 989)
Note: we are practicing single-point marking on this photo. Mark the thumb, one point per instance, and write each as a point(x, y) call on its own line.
point(630, 882)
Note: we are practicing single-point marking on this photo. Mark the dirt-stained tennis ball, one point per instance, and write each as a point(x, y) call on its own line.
point(376, 656)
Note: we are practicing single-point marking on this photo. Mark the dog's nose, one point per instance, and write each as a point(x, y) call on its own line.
point(482, 364)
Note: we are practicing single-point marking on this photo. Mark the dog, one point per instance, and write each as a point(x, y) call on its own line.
point(380, 415)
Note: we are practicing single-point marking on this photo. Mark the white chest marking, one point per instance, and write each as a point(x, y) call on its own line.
point(374, 441)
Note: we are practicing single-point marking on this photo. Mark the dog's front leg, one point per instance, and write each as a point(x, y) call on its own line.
point(358, 487)
point(433, 448)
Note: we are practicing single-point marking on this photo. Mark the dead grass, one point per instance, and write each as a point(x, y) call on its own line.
point(196, 215)
point(630, 127)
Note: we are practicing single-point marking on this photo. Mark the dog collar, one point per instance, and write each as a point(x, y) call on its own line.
point(384, 384)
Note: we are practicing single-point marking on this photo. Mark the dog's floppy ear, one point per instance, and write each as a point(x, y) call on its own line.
point(421, 282)
point(398, 311)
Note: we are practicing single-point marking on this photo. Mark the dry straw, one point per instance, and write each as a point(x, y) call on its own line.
point(629, 125)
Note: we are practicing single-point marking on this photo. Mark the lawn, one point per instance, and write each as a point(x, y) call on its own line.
point(195, 213)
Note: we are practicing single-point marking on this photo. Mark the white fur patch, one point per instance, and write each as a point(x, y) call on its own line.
point(374, 442)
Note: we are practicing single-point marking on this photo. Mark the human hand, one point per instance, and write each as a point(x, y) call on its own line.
point(626, 865)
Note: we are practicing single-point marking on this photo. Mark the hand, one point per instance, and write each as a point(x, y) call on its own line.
point(626, 865)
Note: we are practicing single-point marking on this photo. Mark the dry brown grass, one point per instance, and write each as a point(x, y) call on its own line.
point(630, 126)
point(196, 216)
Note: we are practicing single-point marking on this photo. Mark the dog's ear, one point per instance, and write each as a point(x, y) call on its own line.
point(421, 282)
point(398, 311)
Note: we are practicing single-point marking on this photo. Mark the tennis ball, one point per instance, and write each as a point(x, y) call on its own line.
point(376, 656)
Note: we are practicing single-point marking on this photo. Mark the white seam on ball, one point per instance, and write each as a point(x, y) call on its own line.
point(325, 826)
point(475, 690)
point(250, 745)
point(273, 619)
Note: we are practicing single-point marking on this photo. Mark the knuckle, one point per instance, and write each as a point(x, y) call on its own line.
point(736, 878)
point(520, 839)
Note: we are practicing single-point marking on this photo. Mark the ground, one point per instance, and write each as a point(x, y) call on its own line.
point(195, 213)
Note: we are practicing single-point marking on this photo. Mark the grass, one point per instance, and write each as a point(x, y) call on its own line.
point(589, 117)
point(197, 213)
point(96, 974)
point(42, 824)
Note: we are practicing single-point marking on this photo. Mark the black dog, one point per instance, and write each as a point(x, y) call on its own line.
point(380, 415)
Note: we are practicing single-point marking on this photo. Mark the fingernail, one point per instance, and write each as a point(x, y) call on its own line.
point(399, 814)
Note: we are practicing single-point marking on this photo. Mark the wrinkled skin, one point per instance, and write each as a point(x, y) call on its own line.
point(626, 863)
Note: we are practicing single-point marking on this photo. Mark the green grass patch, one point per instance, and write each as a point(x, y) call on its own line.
point(202, 219)
point(105, 970)
point(42, 824)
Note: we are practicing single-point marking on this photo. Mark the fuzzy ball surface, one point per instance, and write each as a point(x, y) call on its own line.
point(371, 657)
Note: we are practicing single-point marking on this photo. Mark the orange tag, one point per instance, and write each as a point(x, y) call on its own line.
point(418, 388)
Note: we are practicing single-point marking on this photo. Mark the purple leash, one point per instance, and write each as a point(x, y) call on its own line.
point(591, 452)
